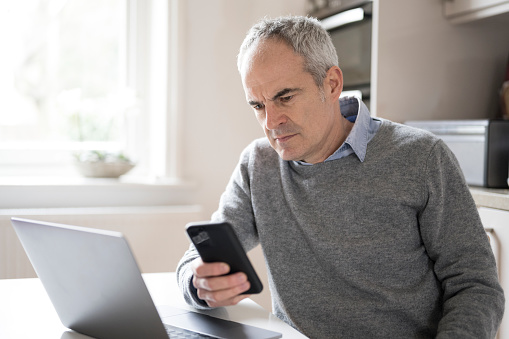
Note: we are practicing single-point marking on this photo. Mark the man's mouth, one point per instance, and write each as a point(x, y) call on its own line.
point(283, 139)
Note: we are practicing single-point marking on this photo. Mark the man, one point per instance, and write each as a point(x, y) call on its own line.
point(367, 226)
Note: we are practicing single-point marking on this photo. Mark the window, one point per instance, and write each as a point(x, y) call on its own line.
point(66, 82)
point(126, 90)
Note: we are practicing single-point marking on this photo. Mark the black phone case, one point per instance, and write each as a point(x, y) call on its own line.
point(217, 242)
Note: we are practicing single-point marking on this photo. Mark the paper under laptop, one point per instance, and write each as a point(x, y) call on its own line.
point(97, 289)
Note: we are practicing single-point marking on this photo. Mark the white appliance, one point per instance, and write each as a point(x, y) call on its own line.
point(481, 147)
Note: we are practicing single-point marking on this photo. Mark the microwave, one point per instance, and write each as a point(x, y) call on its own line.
point(481, 147)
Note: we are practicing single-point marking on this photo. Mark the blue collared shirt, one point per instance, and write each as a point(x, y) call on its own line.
point(364, 129)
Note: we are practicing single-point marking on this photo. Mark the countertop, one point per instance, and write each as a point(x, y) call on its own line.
point(490, 197)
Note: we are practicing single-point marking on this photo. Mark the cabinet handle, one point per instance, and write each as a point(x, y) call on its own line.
point(490, 232)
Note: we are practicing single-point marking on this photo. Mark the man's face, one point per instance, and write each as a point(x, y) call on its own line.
point(300, 121)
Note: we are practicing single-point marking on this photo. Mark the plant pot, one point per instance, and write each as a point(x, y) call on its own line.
point(103, 169)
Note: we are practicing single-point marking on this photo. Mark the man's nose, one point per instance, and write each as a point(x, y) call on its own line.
point(274, 116)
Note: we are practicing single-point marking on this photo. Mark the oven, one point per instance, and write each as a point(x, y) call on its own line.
point(349, 23)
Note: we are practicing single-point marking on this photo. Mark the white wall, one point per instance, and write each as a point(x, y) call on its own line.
point(217, 121)
point(431, 69)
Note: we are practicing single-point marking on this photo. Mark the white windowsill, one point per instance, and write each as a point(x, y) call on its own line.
point(61, 192)
point(80, 181)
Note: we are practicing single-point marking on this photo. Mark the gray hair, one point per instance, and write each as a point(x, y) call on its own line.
point(305, 35)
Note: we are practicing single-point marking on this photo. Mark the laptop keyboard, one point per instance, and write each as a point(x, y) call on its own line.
point(180, 333)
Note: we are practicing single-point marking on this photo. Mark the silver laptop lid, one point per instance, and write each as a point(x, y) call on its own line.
point(92, 279)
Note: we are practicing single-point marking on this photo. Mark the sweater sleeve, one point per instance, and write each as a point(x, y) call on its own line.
point(185, 279)
point(452, 232)
point(234, 207)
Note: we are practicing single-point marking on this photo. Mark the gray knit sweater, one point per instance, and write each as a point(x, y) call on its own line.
point(391, 247)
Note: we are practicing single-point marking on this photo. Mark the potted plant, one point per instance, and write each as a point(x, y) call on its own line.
point(101, 164)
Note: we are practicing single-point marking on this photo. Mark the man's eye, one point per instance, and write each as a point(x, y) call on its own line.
point(286, 98)
point(258, 107)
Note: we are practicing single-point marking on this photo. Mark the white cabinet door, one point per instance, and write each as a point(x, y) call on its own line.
point(496, 223)
point(459, 11)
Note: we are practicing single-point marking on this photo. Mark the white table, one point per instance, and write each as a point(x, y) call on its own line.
point(27, 312)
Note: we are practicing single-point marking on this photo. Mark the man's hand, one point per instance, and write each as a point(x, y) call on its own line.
point(216, 288)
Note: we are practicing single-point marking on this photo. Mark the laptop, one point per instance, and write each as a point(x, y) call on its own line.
point(97, 289)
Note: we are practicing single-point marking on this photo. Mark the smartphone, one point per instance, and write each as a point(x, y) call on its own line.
point(217, 242)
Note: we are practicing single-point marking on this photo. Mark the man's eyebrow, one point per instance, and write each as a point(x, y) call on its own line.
point(284, 92)
point(279, 94)
point(254, 103)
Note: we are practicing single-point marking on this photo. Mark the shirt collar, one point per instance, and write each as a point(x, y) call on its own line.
point(364, 129)
point(361, 133)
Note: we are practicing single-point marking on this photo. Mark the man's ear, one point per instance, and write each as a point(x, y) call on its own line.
point(334, 82)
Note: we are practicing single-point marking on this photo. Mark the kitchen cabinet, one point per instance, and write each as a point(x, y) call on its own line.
point(460, 11)
point(496, 224)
